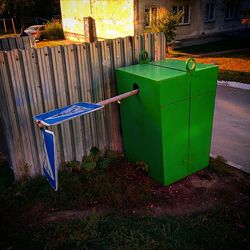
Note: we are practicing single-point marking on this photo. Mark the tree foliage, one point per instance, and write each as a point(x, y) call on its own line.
point(165, 22)
point(53, 30)
point(29, 8)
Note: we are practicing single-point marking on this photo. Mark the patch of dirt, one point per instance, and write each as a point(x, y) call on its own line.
point(196, 193)
point(71, 214)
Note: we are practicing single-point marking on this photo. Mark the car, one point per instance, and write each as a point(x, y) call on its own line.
point(35, 31)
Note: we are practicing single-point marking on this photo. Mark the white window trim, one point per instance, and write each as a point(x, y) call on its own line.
point(150, 14)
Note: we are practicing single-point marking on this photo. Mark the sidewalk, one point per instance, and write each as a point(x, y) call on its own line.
point(231, 129)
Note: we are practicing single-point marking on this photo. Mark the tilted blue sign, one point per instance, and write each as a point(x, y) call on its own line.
point(50, 169)
point(66, 113)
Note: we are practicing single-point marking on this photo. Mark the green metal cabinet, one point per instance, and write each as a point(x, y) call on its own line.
point(168, 125)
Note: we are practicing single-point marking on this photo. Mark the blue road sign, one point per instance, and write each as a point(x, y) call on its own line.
point(50, 168)
point(66, 113)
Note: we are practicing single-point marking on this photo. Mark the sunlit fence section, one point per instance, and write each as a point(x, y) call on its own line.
point(34, 81)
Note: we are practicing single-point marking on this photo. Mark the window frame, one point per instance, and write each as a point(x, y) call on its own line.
point(150, 9)
point(234, 7)
point(207, 17)
point(182, 7)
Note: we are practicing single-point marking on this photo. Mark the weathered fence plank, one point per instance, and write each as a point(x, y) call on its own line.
point(34, 81)
point(24, 42)
point(8, 117)
point(97, 91)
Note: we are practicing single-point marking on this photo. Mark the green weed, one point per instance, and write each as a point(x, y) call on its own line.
point(220, 167)
point(230, 75)
point(53, 30)
point(72, 166)
point(96, 159)
point(142, 166)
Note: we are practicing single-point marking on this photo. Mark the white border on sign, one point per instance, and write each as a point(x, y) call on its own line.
point(55, 157)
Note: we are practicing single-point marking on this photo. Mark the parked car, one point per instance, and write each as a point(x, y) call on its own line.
point(35, 31)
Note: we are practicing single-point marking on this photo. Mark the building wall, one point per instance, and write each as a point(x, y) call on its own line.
point(183, 30)
point(119, 18)
point(221, 24)
point(113, 18)
point(72, 18)
point(198, 26)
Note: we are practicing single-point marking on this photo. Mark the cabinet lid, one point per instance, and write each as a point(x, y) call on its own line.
point(162, 70)
point(150, 71)
point(180, 65)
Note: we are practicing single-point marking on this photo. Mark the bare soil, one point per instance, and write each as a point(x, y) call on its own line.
point(207, 189)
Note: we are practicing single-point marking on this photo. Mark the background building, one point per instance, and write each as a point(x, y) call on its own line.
point(119, 18)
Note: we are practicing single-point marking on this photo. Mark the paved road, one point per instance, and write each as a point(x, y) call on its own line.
point(231, 130)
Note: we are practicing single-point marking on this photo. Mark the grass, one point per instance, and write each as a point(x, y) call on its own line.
point(232, 66)
point(236, 76)
point(117, 198)
point(7, 35)
point(206, 231)
point(54, 43)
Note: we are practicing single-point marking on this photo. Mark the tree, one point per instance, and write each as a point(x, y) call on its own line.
point(2, 6)
point(165, 22)
point(29, 8)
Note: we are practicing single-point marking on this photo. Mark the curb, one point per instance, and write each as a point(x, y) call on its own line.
point(237, 85)
point(232, 164)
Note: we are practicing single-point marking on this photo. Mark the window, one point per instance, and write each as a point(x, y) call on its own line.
point(232, 11)
point(186, 13)
point(150, 16)
point(210, 12)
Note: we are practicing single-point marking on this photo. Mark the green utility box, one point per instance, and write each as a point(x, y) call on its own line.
point(168, 125)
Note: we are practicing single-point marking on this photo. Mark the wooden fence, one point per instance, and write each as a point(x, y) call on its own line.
point(34, 81)
point(23, 42)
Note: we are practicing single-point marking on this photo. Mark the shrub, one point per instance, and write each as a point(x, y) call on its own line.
point(53, 30)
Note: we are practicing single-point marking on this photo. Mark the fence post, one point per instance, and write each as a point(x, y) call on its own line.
point(4, 25)
point(13, 25)
point(89, 29)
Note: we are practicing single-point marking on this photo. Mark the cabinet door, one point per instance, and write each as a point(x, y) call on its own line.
point(175, 122)
point(201, 122)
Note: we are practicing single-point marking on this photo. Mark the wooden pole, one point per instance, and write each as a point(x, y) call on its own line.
point(4, 25)
point(119, 97)
point(13, 25)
